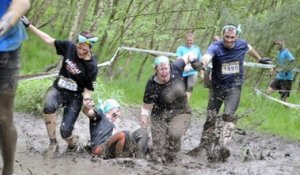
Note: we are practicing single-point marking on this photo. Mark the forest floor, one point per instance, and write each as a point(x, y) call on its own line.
point(268, 154)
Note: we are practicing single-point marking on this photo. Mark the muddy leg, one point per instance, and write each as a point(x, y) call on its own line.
point(227, 133)
point(9, 68)
point(211, 139)
point(50, 121)
point(159, 135)
point(8, 133)
point(177, 128)
point(141, 138)
point(72, 142)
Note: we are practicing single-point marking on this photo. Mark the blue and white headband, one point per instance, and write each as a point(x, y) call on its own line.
point(161, 60)
point(238, 28)
point(107, 105)
point(83, 39)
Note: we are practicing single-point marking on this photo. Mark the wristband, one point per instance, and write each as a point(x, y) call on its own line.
point(145, 112)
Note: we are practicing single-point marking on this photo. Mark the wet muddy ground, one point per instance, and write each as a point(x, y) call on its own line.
point(266, 154)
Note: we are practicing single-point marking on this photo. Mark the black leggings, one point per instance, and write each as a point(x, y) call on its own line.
point(70, 101)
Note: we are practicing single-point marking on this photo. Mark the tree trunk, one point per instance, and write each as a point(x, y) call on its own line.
point(79, 18)
point(98, 12)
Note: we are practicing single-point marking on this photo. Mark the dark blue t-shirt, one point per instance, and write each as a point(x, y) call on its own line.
point(101, 128)
point(227, 64)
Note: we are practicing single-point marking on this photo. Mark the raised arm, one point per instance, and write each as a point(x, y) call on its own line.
point(252, 52)
point(191, 57)
point(15, 11)
point(42, 35)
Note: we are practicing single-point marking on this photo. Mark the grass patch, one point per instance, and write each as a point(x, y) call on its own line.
point(268, 116)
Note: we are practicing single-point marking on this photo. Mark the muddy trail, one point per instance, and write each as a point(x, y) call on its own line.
point(267, 154)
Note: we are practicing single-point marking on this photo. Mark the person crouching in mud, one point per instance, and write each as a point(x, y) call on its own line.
point(165, 105)
point(108, 143)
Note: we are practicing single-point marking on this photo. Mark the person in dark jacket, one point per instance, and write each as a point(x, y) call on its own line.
point(73, 86)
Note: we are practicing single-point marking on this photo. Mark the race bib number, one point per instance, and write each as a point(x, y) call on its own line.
point(230, 68)
point(67, 83)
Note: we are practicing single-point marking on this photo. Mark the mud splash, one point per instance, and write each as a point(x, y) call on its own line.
point(251, 153)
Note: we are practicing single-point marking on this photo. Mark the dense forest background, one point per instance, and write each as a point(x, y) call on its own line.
point(161, 24)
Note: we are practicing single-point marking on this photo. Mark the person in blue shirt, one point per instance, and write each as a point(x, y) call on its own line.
point(227, 76)
point(12, 33)
point(284, 75)
point(189, 74)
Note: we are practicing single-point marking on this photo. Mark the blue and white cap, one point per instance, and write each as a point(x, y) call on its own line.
point(86, 37)
point(161, 60)
point(107, 105)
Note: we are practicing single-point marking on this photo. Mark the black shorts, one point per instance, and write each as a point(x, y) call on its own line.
point(189, 82)
point(9, 69)
point(284, 87)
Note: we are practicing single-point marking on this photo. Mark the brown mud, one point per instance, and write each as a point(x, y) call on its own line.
point(251, 153)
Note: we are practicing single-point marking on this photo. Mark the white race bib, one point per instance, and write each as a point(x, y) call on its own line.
point(230, 68)
point(67, 83)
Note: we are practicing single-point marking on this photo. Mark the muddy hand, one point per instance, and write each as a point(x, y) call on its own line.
point(4, 26)
point(144, 121)
point(88, 103)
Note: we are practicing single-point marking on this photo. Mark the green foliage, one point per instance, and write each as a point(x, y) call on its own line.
point(259, 113)
point(105, 91)
point(36, 55)
point(30, 96)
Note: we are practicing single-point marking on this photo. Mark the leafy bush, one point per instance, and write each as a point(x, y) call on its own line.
point(30, 96)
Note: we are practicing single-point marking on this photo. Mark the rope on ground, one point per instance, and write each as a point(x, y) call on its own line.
point(290, 105)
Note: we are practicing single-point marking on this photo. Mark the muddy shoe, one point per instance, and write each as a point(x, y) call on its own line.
point(211, 159)
point(219, 154)
point(224, 154)
point(52, 151)
point(169, 158)
point(196, 151)
point(72, 143)
point(87, 149)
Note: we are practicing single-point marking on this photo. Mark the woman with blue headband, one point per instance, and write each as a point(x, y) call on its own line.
point(105, 140)
point(73, 86)
point(165, 106)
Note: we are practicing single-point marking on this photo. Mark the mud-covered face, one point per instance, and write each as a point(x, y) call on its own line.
point(163, 72)
point(83, 50)
point(229, 38)
point(113, 114)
